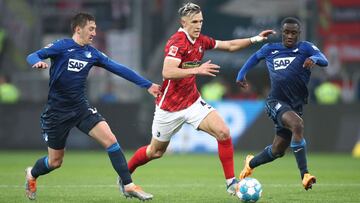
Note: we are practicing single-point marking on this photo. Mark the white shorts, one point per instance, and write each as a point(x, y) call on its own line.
point(166, 124)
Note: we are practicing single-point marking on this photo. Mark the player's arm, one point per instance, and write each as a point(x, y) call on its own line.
point(171, 69)
point(237, 44)
point(317, 57)
point(130, 75)
point(249, 64)
point(50, 50)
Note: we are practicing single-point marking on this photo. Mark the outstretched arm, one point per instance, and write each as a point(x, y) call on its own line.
point(249, 64)
point(237, 44)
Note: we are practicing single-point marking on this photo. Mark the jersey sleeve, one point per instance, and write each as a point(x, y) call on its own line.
point(263, 51)
point(49, 51)
point(252, 62)
point(315, 54)
point(208, 42)
point(175, 47)
point(121, 70)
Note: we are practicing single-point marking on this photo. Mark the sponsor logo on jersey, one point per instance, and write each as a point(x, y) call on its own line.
point(295, 50)
point(71, 50)
point(200, 49)
point(274, 52)
point(191, 64)
point(173, 50)
point(76, 65)
point(282, 63)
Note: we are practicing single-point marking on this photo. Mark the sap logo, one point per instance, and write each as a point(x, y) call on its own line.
point(76, 65)
point(282, 63)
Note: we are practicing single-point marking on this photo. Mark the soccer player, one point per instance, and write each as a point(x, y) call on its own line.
point(181, 102)
point(289, 64)
point(68, 106)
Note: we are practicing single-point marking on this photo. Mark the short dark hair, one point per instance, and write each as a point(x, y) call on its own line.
point(189, 9)
point(291, 20)
point(80, 20)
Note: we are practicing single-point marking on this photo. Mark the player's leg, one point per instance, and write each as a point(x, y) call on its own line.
point(298, 145)
point(275, 109)
point(42, 166)
point(215, 126)
point(270, 153)
point(146, 153)
point(55, 136)
point(101, 132)
point(164, 125)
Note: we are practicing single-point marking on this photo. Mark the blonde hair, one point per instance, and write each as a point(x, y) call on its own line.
point(189, 9)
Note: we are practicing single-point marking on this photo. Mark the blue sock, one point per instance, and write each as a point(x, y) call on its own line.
point(264, 157)
point(41, 167)
point(299, 149)
point(119, 163)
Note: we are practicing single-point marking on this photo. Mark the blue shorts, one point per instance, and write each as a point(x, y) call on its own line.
point(56, 125)
point(275, 109)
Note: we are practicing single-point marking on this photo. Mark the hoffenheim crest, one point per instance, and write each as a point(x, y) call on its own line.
point(88, 54)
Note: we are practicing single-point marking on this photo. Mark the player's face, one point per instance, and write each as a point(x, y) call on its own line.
point(192, 24)
point(87, 33)
point(290, 34)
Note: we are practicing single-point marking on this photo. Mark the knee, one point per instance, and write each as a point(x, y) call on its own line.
point(278, 151)
point(298, 127)
point(55, 163)
point(223, 133)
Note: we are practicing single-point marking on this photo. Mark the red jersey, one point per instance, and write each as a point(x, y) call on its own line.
point(180, 93)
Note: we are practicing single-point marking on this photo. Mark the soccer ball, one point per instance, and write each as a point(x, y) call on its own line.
point(249, 190)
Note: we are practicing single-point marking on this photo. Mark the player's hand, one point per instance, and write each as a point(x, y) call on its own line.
point(41, 65)
point(309, 63)
point(155, 90)
point(242, 83)
point(262, 36)
point(208, 68)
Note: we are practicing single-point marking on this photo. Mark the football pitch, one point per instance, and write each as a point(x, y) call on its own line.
point(87, 176)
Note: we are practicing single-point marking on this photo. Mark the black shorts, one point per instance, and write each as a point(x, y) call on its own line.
point(57, 125)
point(275, 109)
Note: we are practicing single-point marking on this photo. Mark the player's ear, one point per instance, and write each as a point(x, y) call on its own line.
point(182, 22)
point(77, 29)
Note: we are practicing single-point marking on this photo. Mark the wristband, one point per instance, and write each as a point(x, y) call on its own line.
point(256, 39)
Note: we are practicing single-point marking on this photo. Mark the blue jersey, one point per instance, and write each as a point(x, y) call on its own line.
point(288, 77)
point(70, 66)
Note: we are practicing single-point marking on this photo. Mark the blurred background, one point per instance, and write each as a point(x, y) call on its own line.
point(134, 33)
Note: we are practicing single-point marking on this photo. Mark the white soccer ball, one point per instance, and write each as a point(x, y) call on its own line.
point(249, 190)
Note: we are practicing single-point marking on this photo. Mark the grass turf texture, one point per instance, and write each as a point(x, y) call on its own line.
point(87, 176)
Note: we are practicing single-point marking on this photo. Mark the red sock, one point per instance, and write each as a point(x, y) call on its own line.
point(226, 155)
point(138, 159)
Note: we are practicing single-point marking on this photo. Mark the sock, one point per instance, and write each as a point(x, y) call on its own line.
point(299, 149)
point(264, 157)
point(226, 155)
point(138, 159)
point(41, 167)
point(229, 181)
point(118, 162)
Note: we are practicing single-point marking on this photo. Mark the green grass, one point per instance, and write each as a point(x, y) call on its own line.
point(87, 176)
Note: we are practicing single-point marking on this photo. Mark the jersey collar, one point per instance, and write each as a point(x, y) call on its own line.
point(187, 35)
